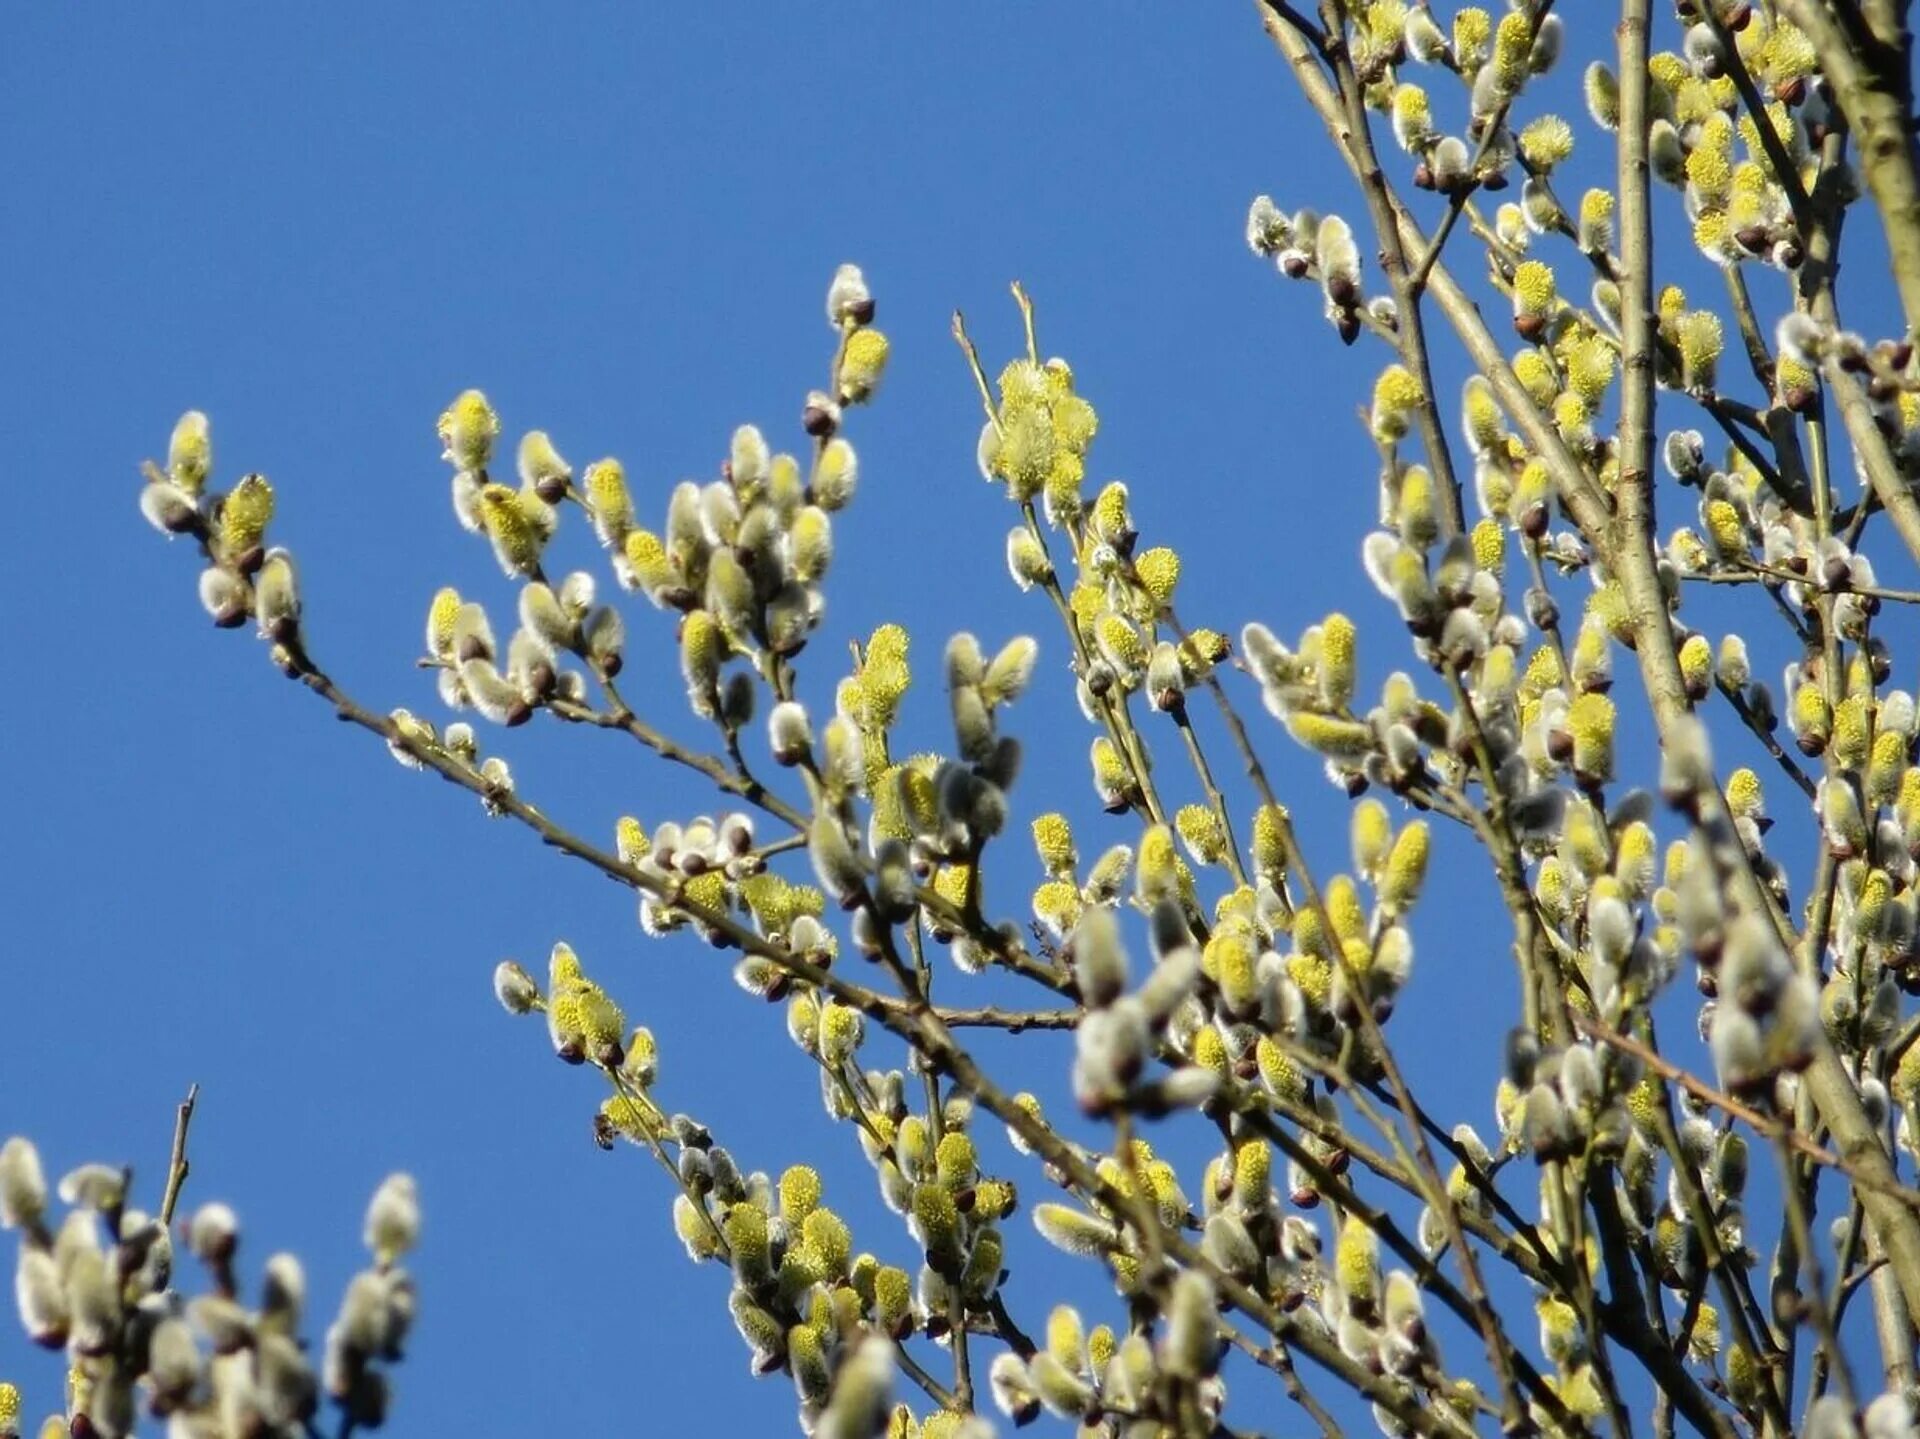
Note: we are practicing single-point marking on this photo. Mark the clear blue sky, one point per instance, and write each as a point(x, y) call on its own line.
point(619, 221)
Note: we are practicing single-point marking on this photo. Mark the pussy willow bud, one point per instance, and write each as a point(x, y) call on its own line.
point(225, 596)
point(277, 596)
point(789, 735)
point(834, 861)
point(1191, 1346)
point(1099, 960)
point(1166, 678)
point(23, 1185)
point(849, 301)
point(393, 1218)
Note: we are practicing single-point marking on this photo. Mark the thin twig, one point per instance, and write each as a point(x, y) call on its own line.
point(177, 1165)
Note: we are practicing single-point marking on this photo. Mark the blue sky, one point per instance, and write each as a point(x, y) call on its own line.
point(620, 222)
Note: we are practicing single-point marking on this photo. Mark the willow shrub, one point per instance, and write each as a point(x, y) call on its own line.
point(1343, 1236)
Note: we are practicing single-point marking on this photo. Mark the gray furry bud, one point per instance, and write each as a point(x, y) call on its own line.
point(516, 990)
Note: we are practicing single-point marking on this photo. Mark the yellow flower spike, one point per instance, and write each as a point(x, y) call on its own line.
point(1062, 486)
point(1725, 528)
point(1590, 719)
point(1489, 540)
point(706, 891)
point(1472, 29)
point(1086, 600)
point(1701, 341)
point(1345, 742)
point(1371, 833)
point(799, 1192)
point(1344, 908)
point(468, 427)
point(1112, 521)
point(826, 1233)
point(811, 544)
point(648, 566)
point(1023, 452)
point(1157, 870)
point(517, 539)
point(541, 467)
point(1633, 862)
point(1406, 868)
point(1023, 385)
point(1313, 977)
point(244, 514)
point(1120, 642)
point(1338, 661)
point(1057, 905)
point(190, 452)
point(1209, 1051)
point(951, 883)
point(1053, 840)
point(1590, 370)
point(441, 614)
point(1870, 909)
point(1710, 162)
point(1587, 842)
point(1811, 720)
point(1571, 416)
point(1852, 731)
point(745, 1226)
point(1075, 422)
point(564, 971)
point(1230, 959)
point(862, 363)
point(1200, 652)
point(1480, 416)
point(1886, 767)
point(629, 1117)
point(1716, 232)
point(1795, 383)
point(9, 1407)
point(1102, 1344)
point(1904, 1083)
point(1412, 115)
point(936, 1222)
point(1111, 778)
point(1253, 1172)
point(601, 1024)
point(1607, 608)
point(1546, 142)
point(1534, 293)
point(1541, 381)
point(1396, 395)
point(955, 1161)
point(702, 649)
point(840, 1032)
point(1066, 1337)
point(892, 1300)
point(1158, 571)
point(1543, 673)
point(1278, 1072)
point(1202, 833)
point(630, 840)
point(1356, 1264)
point(1417, 516)
point(605, 483)
point(889, 642)
point(1269, 842)
point(1595, 227)
point(1696, 664)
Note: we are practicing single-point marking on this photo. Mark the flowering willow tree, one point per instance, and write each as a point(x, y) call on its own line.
point(1582, 1262)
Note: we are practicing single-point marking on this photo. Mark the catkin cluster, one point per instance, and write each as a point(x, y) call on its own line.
point(98, 1283)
